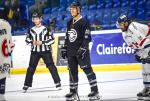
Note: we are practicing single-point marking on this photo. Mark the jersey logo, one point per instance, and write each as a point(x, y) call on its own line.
point(72, 35)
point(5, 48)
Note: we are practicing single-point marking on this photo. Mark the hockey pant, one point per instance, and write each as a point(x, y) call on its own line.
point(85, 65)
point(34, 59)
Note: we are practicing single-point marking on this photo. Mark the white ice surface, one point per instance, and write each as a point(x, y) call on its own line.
point(113, 86)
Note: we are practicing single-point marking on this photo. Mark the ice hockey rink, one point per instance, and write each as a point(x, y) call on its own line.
point(113, 86)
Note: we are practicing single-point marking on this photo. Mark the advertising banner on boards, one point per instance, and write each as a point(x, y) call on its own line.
point(110, 49)
point(106, 49)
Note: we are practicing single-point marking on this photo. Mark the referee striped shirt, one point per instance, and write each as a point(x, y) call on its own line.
point(40, 34)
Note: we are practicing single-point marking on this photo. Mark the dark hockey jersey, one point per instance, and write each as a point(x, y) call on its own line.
point(77, 35)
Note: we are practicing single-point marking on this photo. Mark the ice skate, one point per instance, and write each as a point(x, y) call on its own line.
point(58, 86)
point(72, 97)
point(94, 96)
point(143, 94)
point(146, 97)
point(25, 88)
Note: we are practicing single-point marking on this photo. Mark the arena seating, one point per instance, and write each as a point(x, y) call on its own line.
point(105, 11)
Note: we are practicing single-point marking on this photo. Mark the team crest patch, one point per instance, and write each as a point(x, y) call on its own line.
point(72, 35)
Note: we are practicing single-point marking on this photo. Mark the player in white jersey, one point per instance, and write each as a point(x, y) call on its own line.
point(136, 35)
point(6, 47)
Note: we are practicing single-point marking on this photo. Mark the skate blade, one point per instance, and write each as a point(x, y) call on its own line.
point(74, 98)
point(24, 91)
point(95, 98)
point(139, 98)
point(146, 98)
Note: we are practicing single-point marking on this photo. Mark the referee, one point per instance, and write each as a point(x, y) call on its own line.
point(40, 39)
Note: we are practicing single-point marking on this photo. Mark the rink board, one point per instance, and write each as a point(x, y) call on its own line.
point(96, 68)
point(108, 52)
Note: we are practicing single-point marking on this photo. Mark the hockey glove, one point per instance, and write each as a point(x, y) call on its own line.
point(81, 53)
point(63, 53)
point(137, 57)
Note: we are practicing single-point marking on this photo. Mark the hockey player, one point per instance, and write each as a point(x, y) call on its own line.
point(40, 39)
point(76, 49)
point(6, 47)
point(136, 35)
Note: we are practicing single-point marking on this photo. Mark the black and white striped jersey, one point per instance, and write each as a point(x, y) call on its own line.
point(40, 34)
